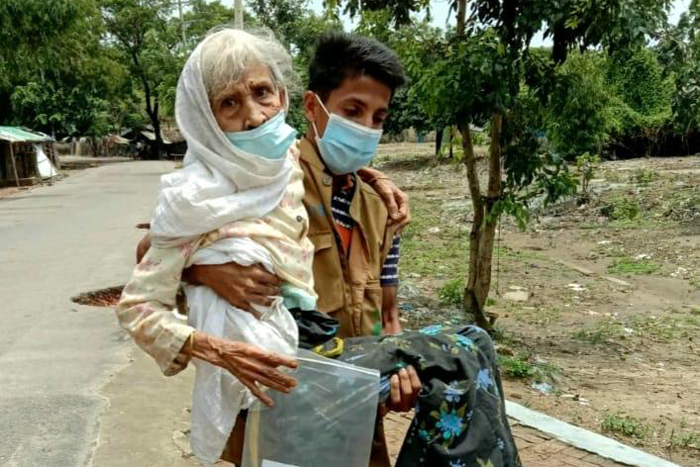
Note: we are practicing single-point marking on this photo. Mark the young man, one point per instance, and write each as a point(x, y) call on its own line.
point(351, 82)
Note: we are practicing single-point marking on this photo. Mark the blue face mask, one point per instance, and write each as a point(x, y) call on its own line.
point(270, 140)
point(346, 146)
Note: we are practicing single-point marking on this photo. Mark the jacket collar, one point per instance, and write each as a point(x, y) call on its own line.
point(309, 154)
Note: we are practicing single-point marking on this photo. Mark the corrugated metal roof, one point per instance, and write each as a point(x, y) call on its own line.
point(16, 134)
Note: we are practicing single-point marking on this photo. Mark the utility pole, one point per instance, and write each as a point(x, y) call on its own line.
point(238, 17)
point(182, 22)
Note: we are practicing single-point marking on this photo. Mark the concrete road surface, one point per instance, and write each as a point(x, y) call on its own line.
point(71, 393)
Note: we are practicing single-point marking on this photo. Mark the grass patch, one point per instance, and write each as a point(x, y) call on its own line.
point(452, 293)
point(544, 315)
point(644, 176)
point(517, 366)
point(667, 327)
point(694, 282)
point(621, 209)
point(429, 255)
point(622, 424)
point(610, 251)
point(684, 441)
point(504, 336)
point(627, 265)
point(603, 331)
point(675, 325)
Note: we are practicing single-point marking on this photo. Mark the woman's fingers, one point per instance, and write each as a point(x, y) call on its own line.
point(268, 358)
point(256, 391)
point(271, 381)
point(266, 374)
point(386, 192)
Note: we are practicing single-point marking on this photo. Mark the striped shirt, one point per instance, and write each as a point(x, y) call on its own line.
point(340, 207)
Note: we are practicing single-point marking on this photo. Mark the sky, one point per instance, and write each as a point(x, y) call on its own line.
point(440, 9)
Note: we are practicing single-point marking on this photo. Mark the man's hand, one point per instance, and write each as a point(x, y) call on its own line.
point(143, 247)
point(405, 388)
point(241, 286)
point(395, 200)
point(250, 364)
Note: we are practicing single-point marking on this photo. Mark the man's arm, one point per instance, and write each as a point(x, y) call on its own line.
point(241, 286)
point(389, 279)
point(395, 200)
point(390, 311)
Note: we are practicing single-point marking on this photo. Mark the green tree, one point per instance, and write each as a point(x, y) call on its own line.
point(297, 27)
point(55, 74)
point(576, 108)
point(477, 79)
point(679, 52)
point(139, 28)
point(283, 17)
point(411, 43)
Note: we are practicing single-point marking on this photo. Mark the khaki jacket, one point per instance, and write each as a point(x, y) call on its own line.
point(348, 288)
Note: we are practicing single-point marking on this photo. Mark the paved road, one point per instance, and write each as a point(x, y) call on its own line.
point(55, 242)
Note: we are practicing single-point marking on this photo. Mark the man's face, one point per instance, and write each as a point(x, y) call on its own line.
point(249, 102)
point(362, 99)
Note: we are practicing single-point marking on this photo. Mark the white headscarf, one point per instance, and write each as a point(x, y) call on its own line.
point(219, 183)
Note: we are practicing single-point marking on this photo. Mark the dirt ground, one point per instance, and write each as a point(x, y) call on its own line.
point(598, 305)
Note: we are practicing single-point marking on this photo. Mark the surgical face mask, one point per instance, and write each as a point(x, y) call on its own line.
point(270, 140)
point(346, 146)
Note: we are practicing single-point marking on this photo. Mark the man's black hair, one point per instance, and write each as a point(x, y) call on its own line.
point(340, 55)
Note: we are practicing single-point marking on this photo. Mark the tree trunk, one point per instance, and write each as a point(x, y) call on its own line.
point(461, 16)
point(151, 99)
point(472, 306)
point(483, 232)
point(438, 140)
point(156, 127)
point(452, 134)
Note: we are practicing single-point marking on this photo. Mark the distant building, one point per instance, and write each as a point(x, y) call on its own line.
point(26, 156)
point(143, 142)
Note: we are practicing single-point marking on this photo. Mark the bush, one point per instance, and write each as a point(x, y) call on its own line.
point(452, 293)
point(625, 425)
point(516, 367)
point(621, 209)
point(644, 176)
point(576, 117)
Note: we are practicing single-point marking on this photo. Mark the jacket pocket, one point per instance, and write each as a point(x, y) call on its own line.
point(328, 272)
point(372, 309)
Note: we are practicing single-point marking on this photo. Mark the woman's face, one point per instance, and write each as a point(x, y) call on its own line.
point(249, 102)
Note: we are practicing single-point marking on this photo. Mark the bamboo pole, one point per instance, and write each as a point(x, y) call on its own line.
point(14, 165)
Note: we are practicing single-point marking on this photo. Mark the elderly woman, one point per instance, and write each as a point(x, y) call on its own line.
point(239, 198)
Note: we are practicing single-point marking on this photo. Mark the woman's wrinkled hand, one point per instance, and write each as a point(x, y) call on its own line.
point(396, 202)
point(250, 364)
